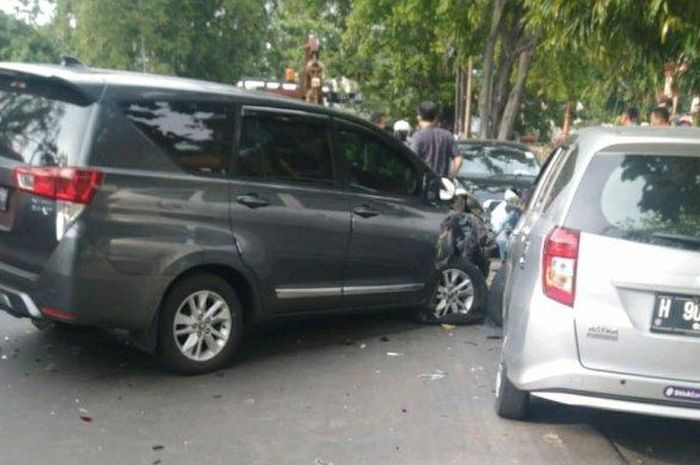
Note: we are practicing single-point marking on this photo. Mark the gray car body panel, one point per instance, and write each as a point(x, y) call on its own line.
point(305, 252)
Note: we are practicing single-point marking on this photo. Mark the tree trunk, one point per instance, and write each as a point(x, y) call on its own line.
point(512, 108)
point(509, 50)
point(485, 93)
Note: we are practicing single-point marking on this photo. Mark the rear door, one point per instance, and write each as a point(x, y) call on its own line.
point(42, 124)
point(290, 217)
point(394, 228)
point(528, 236)
point(638, 278)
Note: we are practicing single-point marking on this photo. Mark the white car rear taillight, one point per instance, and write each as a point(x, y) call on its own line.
point(559, 265)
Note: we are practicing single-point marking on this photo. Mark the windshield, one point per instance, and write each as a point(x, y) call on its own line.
point(651, 199)
point(489, 162)
point(38, 127)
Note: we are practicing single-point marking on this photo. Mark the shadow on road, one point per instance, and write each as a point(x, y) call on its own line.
point(636, 437)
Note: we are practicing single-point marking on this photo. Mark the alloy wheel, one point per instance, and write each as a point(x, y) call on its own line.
point(202, 325)
point(455, 294)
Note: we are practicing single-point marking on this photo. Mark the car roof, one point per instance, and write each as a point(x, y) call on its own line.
point(93, 80)
point(595, 139)
point(493, 143)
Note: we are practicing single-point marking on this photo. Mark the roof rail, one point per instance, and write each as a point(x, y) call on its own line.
point(71, 62)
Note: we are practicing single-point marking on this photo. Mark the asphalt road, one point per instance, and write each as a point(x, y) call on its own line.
point(310, 392)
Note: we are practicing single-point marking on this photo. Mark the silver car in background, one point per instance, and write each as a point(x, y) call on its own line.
point(602, 294)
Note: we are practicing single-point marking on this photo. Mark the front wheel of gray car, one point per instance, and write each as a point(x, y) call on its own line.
point(511, 402)
point(459, 296)
point(199, 325)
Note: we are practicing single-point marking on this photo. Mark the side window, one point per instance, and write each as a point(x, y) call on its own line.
point(561, 179)
point(374, 167)
point(278, 147)
point(177, 136)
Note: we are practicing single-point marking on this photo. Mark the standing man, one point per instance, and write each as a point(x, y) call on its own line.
point(434, 145)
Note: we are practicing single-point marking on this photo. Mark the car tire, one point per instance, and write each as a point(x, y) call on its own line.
point(199, 326)
point(511, 402)
point(494, 305)
point(464, 272)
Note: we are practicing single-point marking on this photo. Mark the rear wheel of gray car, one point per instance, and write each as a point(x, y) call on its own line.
point(200, 325)
point(511, 402)
point(459, 295)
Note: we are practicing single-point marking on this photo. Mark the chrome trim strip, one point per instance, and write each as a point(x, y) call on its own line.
point(308, 293)
point(28, 302)
point(314, 292)
point(384, 289)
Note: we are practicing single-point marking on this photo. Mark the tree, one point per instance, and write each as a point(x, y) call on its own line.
point(291, 21)
point(21, 42)
point(211, 39)
point(405, 51)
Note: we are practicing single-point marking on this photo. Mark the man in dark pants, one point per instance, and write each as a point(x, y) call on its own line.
point(435, 145)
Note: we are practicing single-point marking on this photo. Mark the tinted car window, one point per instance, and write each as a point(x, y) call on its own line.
point(488, 162)
point(284, 148)
point(374, 167)
point(39, 125)
point(178, 136)
point(650, 199)
point(562, 176)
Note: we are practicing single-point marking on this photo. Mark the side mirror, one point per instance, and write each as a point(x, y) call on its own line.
point(447, 189)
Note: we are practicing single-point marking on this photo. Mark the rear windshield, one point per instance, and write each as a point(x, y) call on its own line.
point(649, 199)
point(486, 162)
point(40, 124)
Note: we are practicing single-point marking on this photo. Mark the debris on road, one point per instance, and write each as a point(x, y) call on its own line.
point(395, 354)
point(158, 447)
point(447, 327)
point(85, 415)
point(553, 438)
point(438, 374)
point(320, 461)
point(384, 339)
point(494, 336)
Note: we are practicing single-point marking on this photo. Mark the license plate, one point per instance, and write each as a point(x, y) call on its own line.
point(4, 196)
point(676, 314)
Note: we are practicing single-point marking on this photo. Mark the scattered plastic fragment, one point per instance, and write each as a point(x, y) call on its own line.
point(447, 327)
point(552, 438)
point(158, 447)
point(395, 354)
point(438, 374)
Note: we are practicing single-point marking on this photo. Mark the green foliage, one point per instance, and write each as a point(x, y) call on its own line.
point(291, 21)
point(405, 51)
point(20, 42)
point(211, 39)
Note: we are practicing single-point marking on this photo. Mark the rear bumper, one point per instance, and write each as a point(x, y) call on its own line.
point(18, 303)
point(638, 406)
point(541, 354)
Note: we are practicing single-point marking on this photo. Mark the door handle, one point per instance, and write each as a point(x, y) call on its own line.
point(365, 211)
point(252, 201)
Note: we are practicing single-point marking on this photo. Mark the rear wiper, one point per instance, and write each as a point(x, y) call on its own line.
point(694, 240)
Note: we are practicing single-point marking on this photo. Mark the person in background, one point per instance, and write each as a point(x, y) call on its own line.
point(504, 218)
point(402, 129)
point(659, 117)
point(434, 145)
point(630, 117)
point(380, 120)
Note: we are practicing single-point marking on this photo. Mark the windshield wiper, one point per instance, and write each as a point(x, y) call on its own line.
point(693, 240)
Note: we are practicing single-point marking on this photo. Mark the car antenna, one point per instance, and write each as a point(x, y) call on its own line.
point(71, 62)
